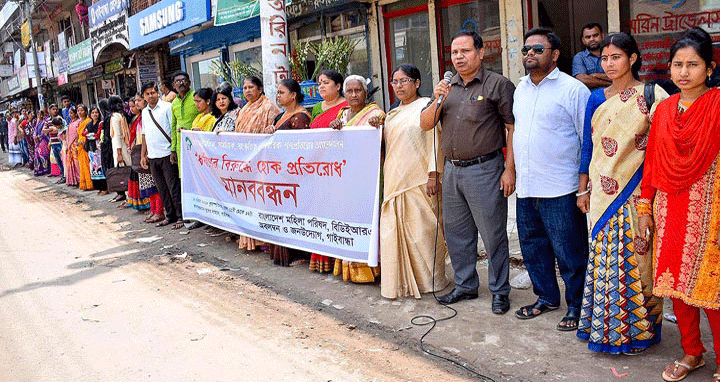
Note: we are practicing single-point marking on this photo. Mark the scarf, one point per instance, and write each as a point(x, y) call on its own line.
point(682, 146)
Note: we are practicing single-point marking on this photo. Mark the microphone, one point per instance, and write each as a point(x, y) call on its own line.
point(447, 78)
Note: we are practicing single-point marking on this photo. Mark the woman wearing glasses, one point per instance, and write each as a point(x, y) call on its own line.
point(619, 313)
point(410, 250)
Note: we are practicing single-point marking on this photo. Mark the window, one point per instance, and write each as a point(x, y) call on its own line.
point(481, 16)
point(202, 74)
point(251, 56)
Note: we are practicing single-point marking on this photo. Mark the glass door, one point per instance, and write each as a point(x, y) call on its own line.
point(407, 36)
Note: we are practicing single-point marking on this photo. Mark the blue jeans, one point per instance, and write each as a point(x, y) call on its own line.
point(550, 229)
point(56, 148)
point(474, 203)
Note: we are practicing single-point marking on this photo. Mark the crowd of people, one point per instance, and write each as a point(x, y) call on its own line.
point(642, 164)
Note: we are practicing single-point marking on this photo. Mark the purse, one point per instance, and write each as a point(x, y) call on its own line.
point(136, 158)
point(117, 178)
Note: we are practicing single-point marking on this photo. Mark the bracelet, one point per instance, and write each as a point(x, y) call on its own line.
point(643, 207)
point(583, 193)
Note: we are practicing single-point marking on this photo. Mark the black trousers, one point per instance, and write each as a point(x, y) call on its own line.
point(167, 181)
point(4, 141)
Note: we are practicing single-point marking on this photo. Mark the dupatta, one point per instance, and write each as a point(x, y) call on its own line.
point(682, 146)
point(329, 115)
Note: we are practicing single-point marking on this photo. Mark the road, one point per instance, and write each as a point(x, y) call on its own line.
point(80, 302)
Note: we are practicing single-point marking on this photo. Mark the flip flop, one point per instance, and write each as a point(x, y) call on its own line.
point(680, 377)
point(569, 323)
point(527, 312)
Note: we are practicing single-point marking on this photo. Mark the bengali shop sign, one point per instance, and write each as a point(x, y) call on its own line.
point(315, 190)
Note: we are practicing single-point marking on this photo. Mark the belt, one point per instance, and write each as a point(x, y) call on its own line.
point(470, 162)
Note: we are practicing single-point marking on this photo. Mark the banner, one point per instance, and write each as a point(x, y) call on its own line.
point(314, 190)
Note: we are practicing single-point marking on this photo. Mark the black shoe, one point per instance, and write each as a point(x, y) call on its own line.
point(500, 303)
point(456, 296)
point(61, 180)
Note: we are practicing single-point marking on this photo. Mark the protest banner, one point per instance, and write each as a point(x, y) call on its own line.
point(314, 190)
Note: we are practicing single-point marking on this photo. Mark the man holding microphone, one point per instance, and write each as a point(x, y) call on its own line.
point(475, 109)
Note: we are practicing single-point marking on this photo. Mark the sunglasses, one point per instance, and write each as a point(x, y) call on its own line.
point(537, 48)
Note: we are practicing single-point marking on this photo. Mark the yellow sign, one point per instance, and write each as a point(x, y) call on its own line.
point(25, 33)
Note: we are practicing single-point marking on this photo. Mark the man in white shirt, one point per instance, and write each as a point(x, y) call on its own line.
point(549, 112)
point(157, 127)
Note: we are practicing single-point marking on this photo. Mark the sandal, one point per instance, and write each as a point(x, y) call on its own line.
point(569, 322)
point(716, 377)
point(677, 366)
point(527, 312)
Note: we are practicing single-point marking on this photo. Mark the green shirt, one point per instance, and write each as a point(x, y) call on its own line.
point(183, 112)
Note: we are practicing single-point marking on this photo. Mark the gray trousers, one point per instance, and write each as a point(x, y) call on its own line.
point(473, 202)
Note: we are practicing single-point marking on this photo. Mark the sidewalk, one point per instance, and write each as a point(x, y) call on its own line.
point(501, 347)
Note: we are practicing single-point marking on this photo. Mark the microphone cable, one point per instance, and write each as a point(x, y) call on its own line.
point(427, 319)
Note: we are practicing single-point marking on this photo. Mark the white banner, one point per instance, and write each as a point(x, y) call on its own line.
point(314, 190)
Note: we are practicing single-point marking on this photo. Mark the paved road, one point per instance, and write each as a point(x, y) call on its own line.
point(79, 302)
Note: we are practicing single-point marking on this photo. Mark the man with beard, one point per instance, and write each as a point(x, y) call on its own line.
point(586, 64)
point(549, 112)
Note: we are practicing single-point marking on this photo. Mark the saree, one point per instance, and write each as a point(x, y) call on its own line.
point(134, 199)
point(72, 165)
point(29, 130)
point(354, 271)
point(254, 118)
point(686, 208)
point(42, 149)
point(408, 216)
point(85, 182)
point(280, 255)
point(322, 119)
point(619, 313)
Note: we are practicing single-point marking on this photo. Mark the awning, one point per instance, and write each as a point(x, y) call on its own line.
point(216, 37)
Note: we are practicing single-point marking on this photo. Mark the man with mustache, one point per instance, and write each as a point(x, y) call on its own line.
point(586, 64)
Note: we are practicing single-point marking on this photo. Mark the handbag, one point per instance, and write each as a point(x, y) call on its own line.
point(117, 178)
point(136, 158)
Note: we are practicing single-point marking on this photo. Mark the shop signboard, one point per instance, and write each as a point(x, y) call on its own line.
point(80, 57)
point(62, 79)
point(7, 70)
point(305, 7)
point(231, 11)
point(63, 61)
point(23, 78)
point(48, 59)
point(95, 71)
point(167, 18)
point(13, 85)
point(16, 61)
point(656, 25)
point(62, 43)
point(108, 24)
point(147, 73)
point(114, 66)
point(108, 84)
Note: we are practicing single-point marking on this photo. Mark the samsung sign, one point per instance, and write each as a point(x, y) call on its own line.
point(166, 18)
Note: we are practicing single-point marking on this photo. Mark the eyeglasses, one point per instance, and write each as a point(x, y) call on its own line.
point(537, 48)
point(181, 80)
point(401, 81)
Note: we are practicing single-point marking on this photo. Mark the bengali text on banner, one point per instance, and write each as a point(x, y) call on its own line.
point(314, 190)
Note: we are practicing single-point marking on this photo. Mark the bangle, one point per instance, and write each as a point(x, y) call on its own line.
point(643, 207)
point(583, 193)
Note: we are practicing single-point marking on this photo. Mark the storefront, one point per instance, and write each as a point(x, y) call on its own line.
point(147, 30)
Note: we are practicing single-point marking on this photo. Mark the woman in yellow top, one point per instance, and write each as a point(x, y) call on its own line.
point(204, 121)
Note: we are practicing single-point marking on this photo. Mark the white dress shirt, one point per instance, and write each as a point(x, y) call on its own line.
point(549, 121)
point(157, 145)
